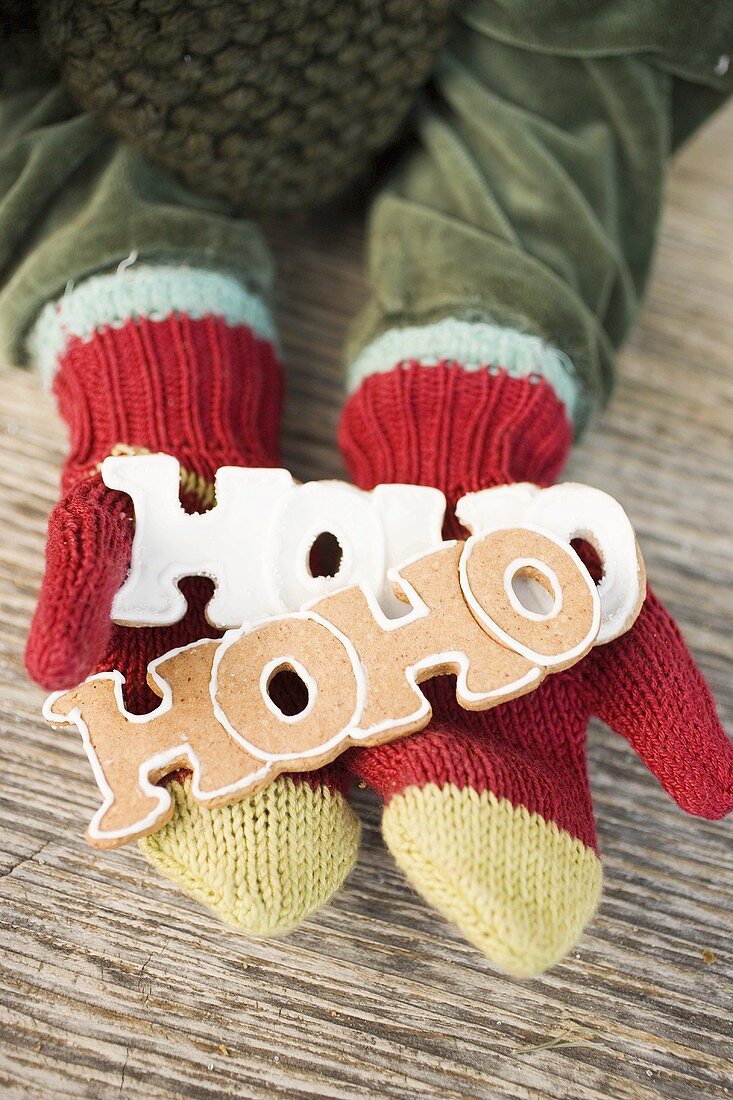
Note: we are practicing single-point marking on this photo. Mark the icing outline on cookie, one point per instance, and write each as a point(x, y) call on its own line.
point(443, 604)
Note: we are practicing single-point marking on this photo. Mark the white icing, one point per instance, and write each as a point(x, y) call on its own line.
point(350, 732)
point(356, 667)
point(418, 609)
point(153, 764)
point(255, 543)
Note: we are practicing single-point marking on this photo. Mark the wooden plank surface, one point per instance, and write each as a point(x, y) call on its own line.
point(114, 984)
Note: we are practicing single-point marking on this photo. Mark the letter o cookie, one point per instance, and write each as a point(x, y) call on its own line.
point(555, 637)
point(321, 656)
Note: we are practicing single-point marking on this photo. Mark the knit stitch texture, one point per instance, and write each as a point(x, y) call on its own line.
point(490, 814)
point(263, 864)
point(209, 392)
point(473, 856)
point(267, 103)
point(138, 292)
point(476, 346)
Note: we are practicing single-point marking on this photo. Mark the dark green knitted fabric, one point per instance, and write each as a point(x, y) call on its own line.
point(270, 104)
point(16, 17)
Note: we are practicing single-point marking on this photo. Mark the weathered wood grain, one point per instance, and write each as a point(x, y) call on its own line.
point(113, 984)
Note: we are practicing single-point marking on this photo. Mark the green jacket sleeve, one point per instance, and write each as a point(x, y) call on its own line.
point(532, 194)
point(75, 201)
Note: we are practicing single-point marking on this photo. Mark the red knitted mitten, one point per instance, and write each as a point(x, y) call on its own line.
point(490, 814)
point(210, 393)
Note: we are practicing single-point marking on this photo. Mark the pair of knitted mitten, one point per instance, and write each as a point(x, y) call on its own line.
point(130, 372)
point(489, 815)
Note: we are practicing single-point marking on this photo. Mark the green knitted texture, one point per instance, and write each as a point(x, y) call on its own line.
point(270, 104)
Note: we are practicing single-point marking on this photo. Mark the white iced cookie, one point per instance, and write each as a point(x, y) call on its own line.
point(258, 543)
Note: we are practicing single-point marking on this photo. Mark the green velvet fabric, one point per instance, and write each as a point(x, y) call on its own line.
point(75, 201)
point(533, 191)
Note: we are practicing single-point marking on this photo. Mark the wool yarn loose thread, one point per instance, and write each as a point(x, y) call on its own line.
point(341, 643)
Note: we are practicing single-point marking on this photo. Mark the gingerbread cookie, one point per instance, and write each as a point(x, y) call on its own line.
point(361, 670)
point(572, 511)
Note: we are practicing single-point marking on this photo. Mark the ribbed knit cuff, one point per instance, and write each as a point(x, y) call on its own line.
point(137, 370)
point(455, 429)
point(477, 346)
point(142, 291)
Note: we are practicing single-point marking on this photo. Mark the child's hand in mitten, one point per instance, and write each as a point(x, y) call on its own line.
point(209, 393)
point(490, 814)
